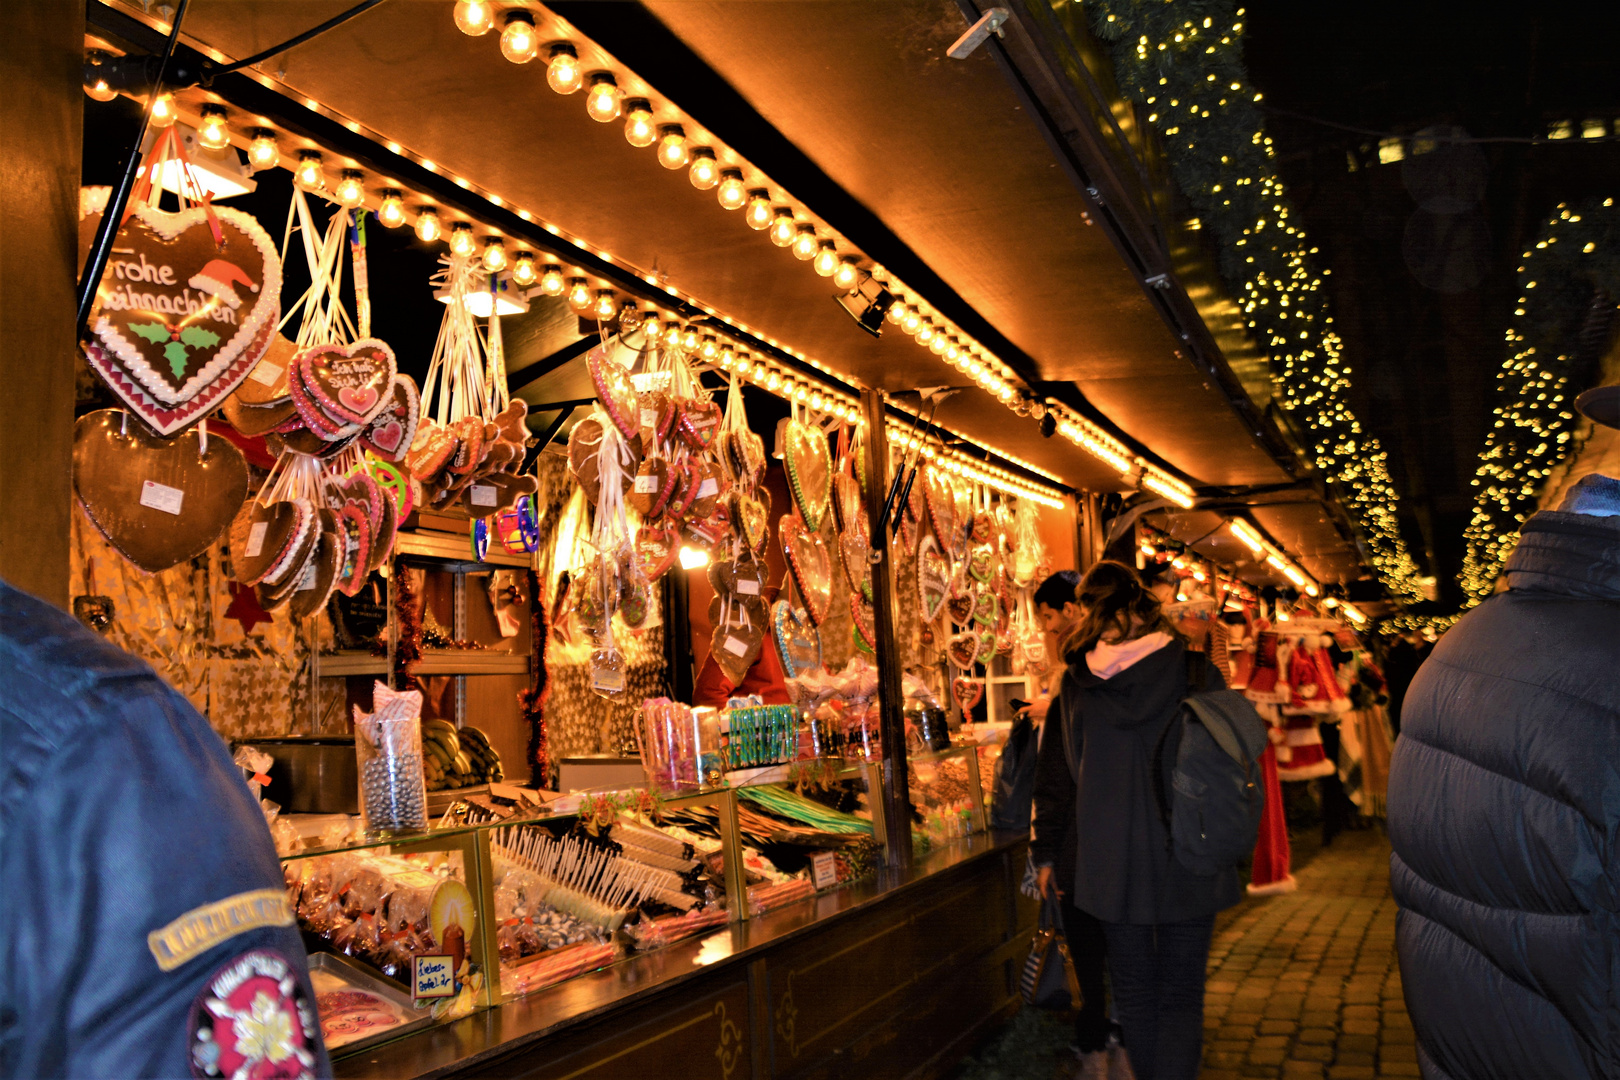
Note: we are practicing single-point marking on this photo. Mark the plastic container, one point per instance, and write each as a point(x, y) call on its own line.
point(680, 746)
point(388, 750)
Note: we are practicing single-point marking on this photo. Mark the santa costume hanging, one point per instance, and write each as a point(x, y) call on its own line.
point(1301, 756)
point(1265, 686)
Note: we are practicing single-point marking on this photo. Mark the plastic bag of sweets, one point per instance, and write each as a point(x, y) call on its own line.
point(388, 745)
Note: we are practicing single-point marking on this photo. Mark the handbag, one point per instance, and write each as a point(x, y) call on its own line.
point(1049, 980)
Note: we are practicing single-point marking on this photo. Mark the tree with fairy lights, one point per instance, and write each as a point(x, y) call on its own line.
point(1181, 63)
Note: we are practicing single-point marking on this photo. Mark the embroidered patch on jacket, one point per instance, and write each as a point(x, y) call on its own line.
point(200, 929)
point(254, 1021)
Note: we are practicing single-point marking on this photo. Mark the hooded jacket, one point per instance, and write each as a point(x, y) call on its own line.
point(1504, 813)
point(1097, 817)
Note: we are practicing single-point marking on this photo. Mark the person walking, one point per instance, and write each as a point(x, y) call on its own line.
point(1504, 809)
point(1100, 840)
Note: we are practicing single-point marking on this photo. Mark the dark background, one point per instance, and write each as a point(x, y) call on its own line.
point(1423, 299)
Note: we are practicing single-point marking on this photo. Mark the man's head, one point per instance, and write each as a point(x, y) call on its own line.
point(1054, 602)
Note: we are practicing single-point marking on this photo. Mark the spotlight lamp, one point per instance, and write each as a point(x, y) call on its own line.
point(602, 101)
point(518, 41)
point(868, 302)
point(562, 70)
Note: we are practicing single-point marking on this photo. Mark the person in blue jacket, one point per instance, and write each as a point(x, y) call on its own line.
point(1504, 810)
point(148, 928)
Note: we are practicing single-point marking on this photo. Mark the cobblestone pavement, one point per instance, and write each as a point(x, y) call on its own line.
point(1307, 984)
point(1304, 985)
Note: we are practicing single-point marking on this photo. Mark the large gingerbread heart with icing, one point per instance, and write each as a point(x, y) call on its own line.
point(809, 470)
point(739, 634)
point(157, 501)
point(615, 392)
point(179, 320)
point(699, 423)
point(391, 432)
point(657, 547)
point(811, 568)
point(351, 383)
point(796, 639)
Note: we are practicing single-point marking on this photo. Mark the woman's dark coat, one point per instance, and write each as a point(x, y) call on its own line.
point(1504, 812)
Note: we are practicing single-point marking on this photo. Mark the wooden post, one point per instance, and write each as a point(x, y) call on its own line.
point(41, 141)
point(891, 695)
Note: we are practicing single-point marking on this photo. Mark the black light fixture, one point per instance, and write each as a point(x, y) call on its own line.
point(867, 303)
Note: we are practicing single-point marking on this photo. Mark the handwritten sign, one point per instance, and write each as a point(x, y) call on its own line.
point(824, 869)
point(432, 977)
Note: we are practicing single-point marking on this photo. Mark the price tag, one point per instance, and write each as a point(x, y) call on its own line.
point(255, 542)
point(161, 497)
point(608, 679)
point(824, 869)
point(483, 495)
point(735, 647)
point(306, 581)
point(748, 586)
point(431, 977)
point(707, 488)
point(266, 372)
point(649, 418)
point(647, 484)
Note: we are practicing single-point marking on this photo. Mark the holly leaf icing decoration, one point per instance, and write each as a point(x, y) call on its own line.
point(198, 337)
point(151, 331)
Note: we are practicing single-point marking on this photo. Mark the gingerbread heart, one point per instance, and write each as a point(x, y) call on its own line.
point(686, 489)
point(706, 489)
point(962, 648)
point(356, 554)
point(967, 692)
point(855, 550)
point(713, 530)
point(809, 469)
point(584, 447)
point(752, 515)
point(319, 575)
point(360, 489)
point(310, 413)
point(747, 457)
point(393, 430)
point(651, 488)
point(382, 544)
point(984, 527)
point(796, 639)
point(266, 536)
point(959, 601)
point(180, 319)
point(657, 547)
point(986, 651)
point(941, 508)
point(739, 635)
point(808, 562)
point(933, 578)
point(266, 385)
point(257, 420)
point(657, 414)
point(614, 391)
point(157, 501)
point(981, 563)
point(984, 606)
point(351, 382)
point(743, 579)
point(699, 423)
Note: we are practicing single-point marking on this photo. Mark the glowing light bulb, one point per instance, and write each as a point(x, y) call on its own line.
point(494, 255)
point(518, 41)
point(710, 348)
point(912, 322)
point(562, 72)
point(95, 83)
point(606, 307)
point(689, 338)
point(638, 123)
point(953, 351)
point(925, 332)
point(847, 275)
point(427, 225)
point(523, 271)
point(461, 238)
point(801, 392)
point(732, 194)
point(773, 381)
point(672, 151)
point(672, 334)
point(897, 310)
point(726, 358)
point(579, 295)
point(163, 114)
point(212, 130)
point(308, 174)
point(938, 344)
point(805, 244)
point(602, 102)
point(826, 260)
point(351, 190)
point(817, 402)
point(98, 89)
point(262, 151)
point(551, 280)
point(705, 171)
point(474, 17)
point(782, 227)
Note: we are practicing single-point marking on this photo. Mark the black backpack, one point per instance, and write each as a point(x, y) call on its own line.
point(1206, 776)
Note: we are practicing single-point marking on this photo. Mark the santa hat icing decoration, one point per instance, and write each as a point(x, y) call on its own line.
point(218, 278)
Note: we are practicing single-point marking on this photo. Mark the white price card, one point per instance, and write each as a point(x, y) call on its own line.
point(266, 372)
point(483, 495)
point(647, 484)
point(735, 647)
point(708, 487)
point(431, 977)
point(824, 869)
point(748, 586)
point(162, 497)
point(255, 542)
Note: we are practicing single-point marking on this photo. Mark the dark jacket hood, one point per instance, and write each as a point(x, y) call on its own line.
point(1140, 694)
point(1575, 554)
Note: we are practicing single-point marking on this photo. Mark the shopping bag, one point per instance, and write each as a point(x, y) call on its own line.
point(1049, 980)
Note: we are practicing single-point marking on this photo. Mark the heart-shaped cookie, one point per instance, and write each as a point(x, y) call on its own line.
point(796, 639)
point(809, 470)
point(584, 448)
point(351, 383)
point(748, 459)
point(614, 391)
point(933, 578)
point(739, 634)
point(846, 501)
point(984, 527)
point(319, 575)
point(179, 319)
point(962, 648)
point(393, 430)
point(707, 489)
point(355, 561)
point(855, 550)
point(981, 563)
point(941, 508)
point(651, 488)
point(967, 692)
point(743, 579)
point(256, 420)
point(962, 496)
point(310, 413)
point(959, 601)
point(686, 489)
point(751, 513)
point(714, 530)
point(266, 385)
point(811, 568)
point(984, 606)
point(986, 651)
point(157, 501)
point(266, 536)
point(657, 547)
point(699, 423)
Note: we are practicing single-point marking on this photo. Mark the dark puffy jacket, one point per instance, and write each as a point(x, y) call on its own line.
point(1504, 811)
point(147, 928)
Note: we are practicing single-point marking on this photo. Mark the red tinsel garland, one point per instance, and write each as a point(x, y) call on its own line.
point(408, 649)
point(533, 700)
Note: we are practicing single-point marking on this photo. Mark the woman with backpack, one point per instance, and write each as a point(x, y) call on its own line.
point(1127, 675)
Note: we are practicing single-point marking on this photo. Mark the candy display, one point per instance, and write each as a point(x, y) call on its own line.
point(388, 744)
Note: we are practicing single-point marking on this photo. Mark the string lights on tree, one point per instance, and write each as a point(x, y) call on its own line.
point(1185, 72)
point(1574, 264)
